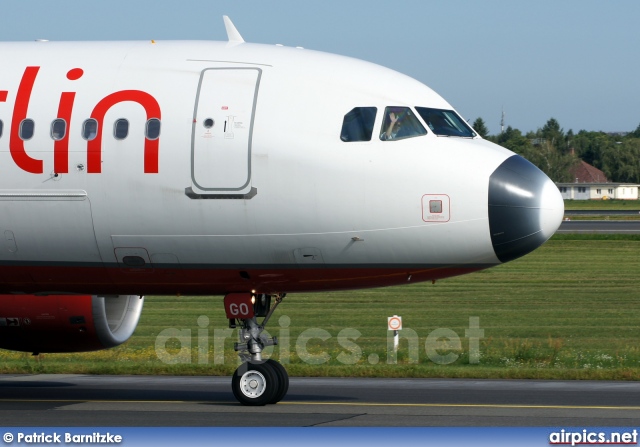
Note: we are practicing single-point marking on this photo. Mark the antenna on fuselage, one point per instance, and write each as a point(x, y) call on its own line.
point(232, 32)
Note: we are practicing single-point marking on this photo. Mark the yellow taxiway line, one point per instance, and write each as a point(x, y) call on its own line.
point(345, 404)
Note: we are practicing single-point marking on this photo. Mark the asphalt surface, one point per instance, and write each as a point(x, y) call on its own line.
point(600, 226)
point(103, 401)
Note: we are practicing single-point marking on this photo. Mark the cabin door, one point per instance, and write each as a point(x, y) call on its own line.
point(222, 131)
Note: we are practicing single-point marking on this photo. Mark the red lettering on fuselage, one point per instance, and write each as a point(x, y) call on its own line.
point(61, 147)
point(16, 144)
point(65, 109)
point(94, 147)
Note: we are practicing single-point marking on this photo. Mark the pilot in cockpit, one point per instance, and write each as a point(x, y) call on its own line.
point(400, 123)
point(393, 123)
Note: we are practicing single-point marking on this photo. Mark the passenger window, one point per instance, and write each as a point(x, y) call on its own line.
point(90, 129)
point(1, 125)
point(58, 129)
point(27, 128)
point(445, 123)
point(358, 124)
point(121, 129)
point(152, 131)
point(400, 123)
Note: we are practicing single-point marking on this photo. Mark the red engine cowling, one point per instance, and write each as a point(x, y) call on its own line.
point(67, 323)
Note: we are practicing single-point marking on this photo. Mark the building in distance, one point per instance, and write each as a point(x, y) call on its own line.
point(591, 184)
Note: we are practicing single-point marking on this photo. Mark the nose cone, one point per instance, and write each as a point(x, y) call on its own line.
point(525, 208)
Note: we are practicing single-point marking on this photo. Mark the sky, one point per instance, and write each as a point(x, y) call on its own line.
point(577, 61)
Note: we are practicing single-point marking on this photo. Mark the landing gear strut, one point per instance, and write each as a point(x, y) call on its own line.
point(256, 381)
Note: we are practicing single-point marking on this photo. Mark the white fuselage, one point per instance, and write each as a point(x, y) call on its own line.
point(268, 198)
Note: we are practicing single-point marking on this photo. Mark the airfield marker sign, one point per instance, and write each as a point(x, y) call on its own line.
point(395, 324)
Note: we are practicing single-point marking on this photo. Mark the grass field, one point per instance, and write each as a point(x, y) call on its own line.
point(602, 205)
point(605, 216)
point(570, 310)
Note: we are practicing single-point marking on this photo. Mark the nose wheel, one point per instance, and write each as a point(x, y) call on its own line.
point(256, 382)
point(260, 383)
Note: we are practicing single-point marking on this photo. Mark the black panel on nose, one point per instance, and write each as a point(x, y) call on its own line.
point(515, 195)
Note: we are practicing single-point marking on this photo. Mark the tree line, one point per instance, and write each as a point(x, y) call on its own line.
point(557, 152)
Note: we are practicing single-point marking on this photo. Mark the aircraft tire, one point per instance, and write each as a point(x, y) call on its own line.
point(283, 381)
point(255, 384)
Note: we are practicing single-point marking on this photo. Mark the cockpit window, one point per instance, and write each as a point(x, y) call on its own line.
point(358, 124)
point(400, 123)
point(445, 123)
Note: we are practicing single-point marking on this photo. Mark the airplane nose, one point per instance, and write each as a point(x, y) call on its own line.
point(525, 208)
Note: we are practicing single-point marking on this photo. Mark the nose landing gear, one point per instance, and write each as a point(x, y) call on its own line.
point(256, 382)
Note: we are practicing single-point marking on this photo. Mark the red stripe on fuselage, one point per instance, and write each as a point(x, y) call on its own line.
point(192, 281)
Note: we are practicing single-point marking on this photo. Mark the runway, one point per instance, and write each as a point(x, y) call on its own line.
point(600, 226)
point(111, 401)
